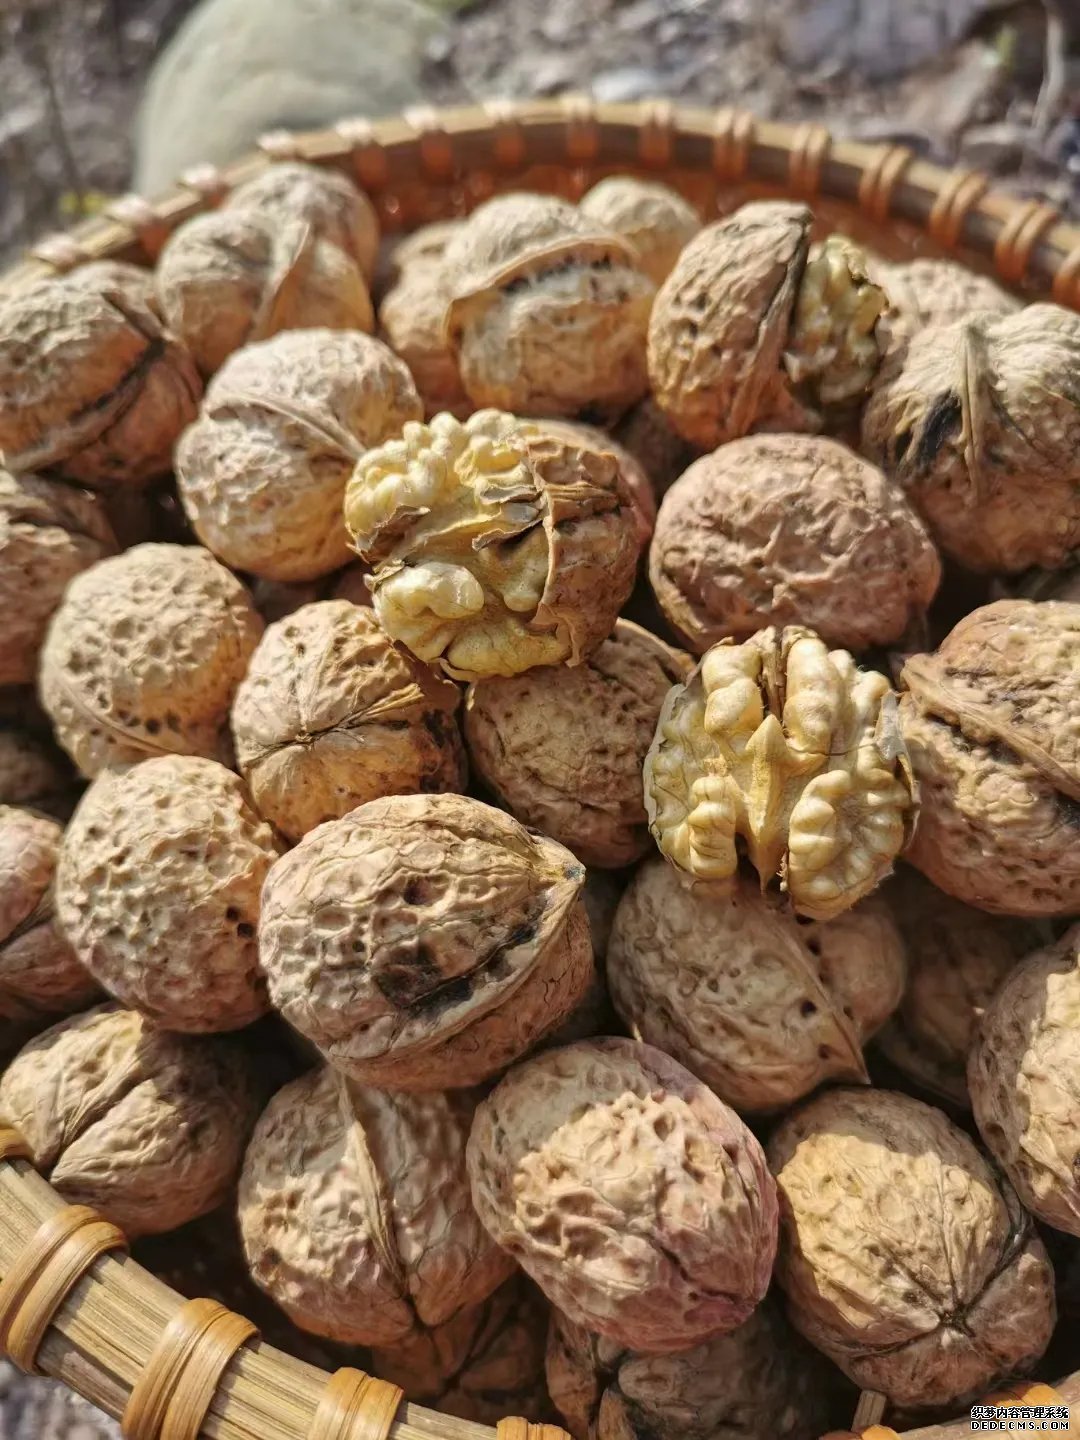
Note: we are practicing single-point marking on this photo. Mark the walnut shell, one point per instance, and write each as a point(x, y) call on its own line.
point(147, 1128)
point(331, 714)
point(480, 1364)
point(656, 220)
point(158, 891)
point(751, 331)
point(646, 434)
point(957, 957)
point(925, 292)
point(39, 972)
point(262, 473)
point(757, 1382)
point(992, 723)
point(143, 656)
point(48, 533)
point(633, 473)
point(790, 529)
point(761, 1008)
point(232, 277)
point(411, 322)
point(425, 941)
point(903, 1256)
point(325, 199)
point(134, 282)
point(548, 310)
point(563, 748)
point(398, 253)
point(1024, 1077)
point(792, 748)
point(91, 387)
point(979, 421)
point(355, 1211)
point(33, 772)
point(494, 545)
point(638, 1202)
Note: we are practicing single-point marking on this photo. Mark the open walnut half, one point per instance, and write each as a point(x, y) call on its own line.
point(790, 748)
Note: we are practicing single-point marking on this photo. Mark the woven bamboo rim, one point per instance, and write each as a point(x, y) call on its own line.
point(70, 1305)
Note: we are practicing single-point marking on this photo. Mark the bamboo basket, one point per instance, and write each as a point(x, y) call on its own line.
point(72, 1304)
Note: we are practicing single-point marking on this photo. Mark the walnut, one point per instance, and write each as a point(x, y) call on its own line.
point(91, 388)
point(757, 1382)
point(638, 1202)
point(792, 749)
point(231, 277)
point(143, 656)
point(411, 322)
point(992, 723)
point(494, 546)
point(925, 292)
point(39, 972)
point(441, 940)
point(979, 421)
point(645, 433)
point(633, 473)
point(563, 748)
point(325, 199)
point(790, 529)
point(146, 1127)
point(548, 311)
point(398, 253)
point(761, 1008)
point(656, 220)
point(903, 1256)
point(48, 533)
point(751, 330)
point(355, 1212)
point(957, 957)
point(34, 772)
point(158, 891)
point(262, 473)
point(331, 714)
point(133, 282)
point(1024, 1076)
point(480, 1364)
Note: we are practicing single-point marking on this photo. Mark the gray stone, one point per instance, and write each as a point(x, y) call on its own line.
point(629, 82)
point(238, 68)
point(998, 148)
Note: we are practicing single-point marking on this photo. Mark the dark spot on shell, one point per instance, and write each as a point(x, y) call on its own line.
point(939, 425)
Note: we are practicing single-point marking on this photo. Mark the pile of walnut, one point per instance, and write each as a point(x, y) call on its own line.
point(503, 668)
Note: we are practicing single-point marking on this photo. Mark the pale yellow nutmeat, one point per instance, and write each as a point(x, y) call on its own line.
point(793, 750)
point(833, 345)
point(494, 545)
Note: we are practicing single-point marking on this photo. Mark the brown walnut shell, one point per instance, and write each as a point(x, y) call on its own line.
point(638, 1202)
point(563, 748)
point(784, 530)
point(49, 532)
point(325, 199)
point(992, 723)
point(144, 655)
point(147, 1128)
point(979, 421)
point(1024, 1077)
point(425, 941)
point(411, 318)
point(632, 471)
point(262, 473)
point(903, 1256)
point(355, 1211)
point(655, 219)
point(331, 715)
point(93, 389)
point(646, 434)
point(759, 1007)
point(925, 292)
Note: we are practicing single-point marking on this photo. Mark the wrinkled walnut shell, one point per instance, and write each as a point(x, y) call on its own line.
point(440, 942)
point(979, 421)
point(158, 891)
point(92, 388)
point(262, 473)
point(759, 1007)
point(48, 533)
point(1024, 1077)
point(992, 723)
point(147, 1128)
point(656, 220)
point(355, 1211)
point(327, 200)
point(494, 545)
point(563, 748)
point(785, 530)
point(632, 471)
point(331, 715)
point(903, 1256)
point(411, 322)
point(143, 656)
point(638, 1202)
point(796, 751)
point(925, 292)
